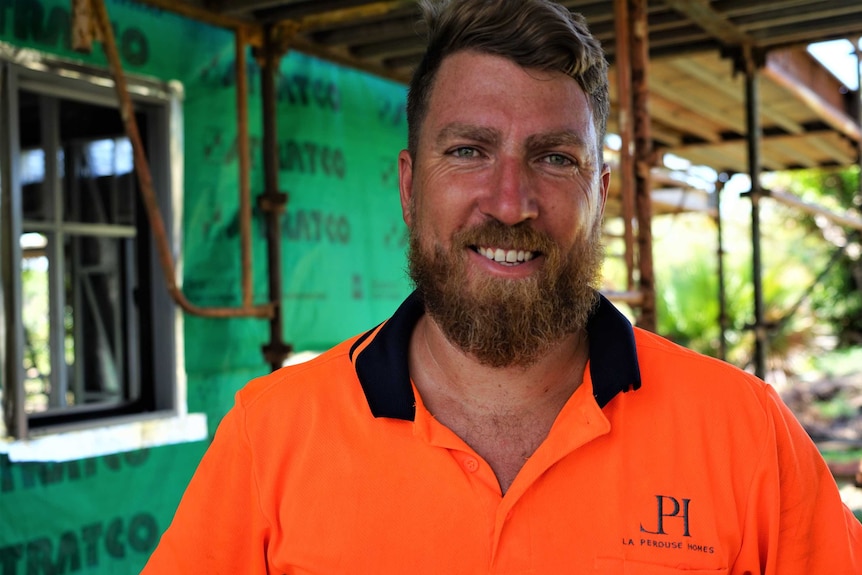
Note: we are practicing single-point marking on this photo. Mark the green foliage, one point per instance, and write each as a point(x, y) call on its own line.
point(688, 303)
point(688, 290)
point(840, 362)
point(837, 298)
point(838, 407)
point(811, 285)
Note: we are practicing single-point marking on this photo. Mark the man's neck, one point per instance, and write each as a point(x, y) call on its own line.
point(502, 413)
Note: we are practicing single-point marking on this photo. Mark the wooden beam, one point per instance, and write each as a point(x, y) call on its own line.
point(719, 158)
point(682, 118)
point(339, 57)
point(738, 9)
point(799, 17)
point(811, 84)
point(795, 155)
point(734, 152)
point(812, 31)
point(729, 158)
point(845, 220)
point(195, 12)
point(385, 48)
point(239, 6)
point(667, 136)
point(705, 150)
point(731, 90)
point(844, 157)
point(377, 29)
point(699, 108)
point(343, 11)
point(701, 13)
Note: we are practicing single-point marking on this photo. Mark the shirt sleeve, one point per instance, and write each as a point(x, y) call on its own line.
point(796, 522)
point(219, 526)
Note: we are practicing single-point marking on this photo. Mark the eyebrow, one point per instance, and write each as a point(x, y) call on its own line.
point(555, 139)
point(459, 130)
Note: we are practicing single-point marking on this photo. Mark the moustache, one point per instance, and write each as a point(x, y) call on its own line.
point(521, 236)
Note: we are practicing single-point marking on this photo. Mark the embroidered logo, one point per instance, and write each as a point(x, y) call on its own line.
point(670, 528)
point(670, 508)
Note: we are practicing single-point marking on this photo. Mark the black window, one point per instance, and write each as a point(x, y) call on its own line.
point(88, 323)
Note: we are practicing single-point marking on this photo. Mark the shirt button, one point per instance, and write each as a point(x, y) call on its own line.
point(471, 465)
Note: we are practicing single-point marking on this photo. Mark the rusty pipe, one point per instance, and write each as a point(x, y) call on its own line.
point(626, 132)
point(644, 161)
point(142, 170)
point(244, 167)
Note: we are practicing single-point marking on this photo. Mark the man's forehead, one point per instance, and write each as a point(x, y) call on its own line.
point(492, 77)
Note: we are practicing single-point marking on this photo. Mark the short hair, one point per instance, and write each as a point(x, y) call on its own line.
point(535, 34)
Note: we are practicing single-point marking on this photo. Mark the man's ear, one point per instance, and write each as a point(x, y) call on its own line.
point(405, 184)
point(604, 185)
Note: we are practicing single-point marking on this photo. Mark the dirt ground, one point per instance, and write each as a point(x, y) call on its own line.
point(830, 409)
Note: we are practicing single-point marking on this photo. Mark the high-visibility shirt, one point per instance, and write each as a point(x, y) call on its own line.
point(663, 461)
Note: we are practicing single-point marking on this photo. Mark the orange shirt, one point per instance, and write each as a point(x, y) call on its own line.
point(336, 467)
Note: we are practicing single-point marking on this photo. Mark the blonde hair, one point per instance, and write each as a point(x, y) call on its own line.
point(536, 34)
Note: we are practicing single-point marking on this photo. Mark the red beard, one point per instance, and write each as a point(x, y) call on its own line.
point(505, 322)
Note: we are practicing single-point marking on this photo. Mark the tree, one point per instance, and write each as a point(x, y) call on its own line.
point(836, 299)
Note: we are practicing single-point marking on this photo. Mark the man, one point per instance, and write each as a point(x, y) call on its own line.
point(507, 419)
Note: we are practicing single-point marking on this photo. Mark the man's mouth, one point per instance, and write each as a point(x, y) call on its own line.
point(506, 257)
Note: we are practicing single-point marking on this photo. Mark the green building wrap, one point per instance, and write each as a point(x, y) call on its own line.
point(343, 244)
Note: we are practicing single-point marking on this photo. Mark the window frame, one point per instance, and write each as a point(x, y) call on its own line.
point(161, 375)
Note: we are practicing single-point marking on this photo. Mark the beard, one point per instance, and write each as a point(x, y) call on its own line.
point(507, 322)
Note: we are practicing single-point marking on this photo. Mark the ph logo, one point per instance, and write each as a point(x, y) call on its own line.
point(670, 508)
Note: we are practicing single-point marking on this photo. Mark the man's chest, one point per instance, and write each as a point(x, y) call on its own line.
point(441, 512)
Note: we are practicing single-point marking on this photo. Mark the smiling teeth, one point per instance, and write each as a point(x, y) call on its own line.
point(506, 256)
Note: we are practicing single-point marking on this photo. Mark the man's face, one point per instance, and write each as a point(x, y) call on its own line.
point(504, 202)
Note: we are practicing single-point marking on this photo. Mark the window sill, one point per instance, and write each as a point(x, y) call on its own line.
point(116, 437)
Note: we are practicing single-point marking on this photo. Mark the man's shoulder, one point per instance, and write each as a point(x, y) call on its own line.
point(686, 389)
point(661, 359)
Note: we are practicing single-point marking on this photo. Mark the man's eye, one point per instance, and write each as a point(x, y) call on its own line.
point(465, 152)
point(557, 160)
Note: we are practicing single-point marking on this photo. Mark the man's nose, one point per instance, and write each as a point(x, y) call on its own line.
point(511, 197)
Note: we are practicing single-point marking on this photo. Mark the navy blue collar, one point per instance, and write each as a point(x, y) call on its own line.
point(383, 373)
